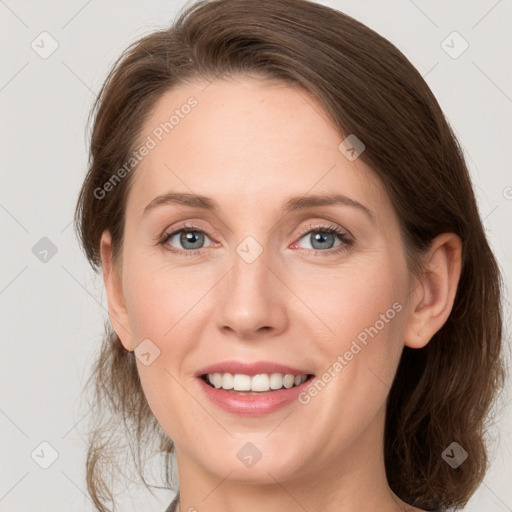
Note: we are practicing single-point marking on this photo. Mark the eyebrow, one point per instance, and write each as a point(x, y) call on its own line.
point(293, 204)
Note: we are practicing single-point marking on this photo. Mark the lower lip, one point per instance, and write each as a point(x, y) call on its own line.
point(252, 405)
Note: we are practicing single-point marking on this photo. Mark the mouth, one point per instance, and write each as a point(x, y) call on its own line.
point(253, 388)
point(259, 384)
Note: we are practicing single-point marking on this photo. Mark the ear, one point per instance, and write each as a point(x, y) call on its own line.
point(116, 306)
point(435, 290)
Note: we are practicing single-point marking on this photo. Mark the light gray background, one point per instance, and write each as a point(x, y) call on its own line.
point(52, 313)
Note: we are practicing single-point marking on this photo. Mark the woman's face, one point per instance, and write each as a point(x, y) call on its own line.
point(259, 281)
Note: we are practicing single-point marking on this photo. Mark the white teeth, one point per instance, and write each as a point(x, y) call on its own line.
point(241, 382)
point(227, 381)
point(259, 383)
point(288, 381)
point(217, 380)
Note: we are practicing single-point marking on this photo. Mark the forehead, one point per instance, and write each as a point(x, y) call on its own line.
point(247, 143)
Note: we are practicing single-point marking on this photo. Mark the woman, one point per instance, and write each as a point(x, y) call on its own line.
point(331, 337)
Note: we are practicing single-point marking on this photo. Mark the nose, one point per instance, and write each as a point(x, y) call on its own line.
point(253, 300)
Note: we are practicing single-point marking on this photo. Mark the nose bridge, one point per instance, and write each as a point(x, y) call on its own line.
point(250, 269)
point(252, 296)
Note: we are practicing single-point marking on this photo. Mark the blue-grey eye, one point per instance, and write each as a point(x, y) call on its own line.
point(322, 239)
point(188, 239)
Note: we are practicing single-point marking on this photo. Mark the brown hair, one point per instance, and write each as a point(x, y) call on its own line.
point(441, 393)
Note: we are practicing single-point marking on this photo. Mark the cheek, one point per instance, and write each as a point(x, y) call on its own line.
point(349, 299)
point(167, 306)
point(362, 309)
point(163, 299)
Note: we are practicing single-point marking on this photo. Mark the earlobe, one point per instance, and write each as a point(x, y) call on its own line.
point(116, 306)
point(434, 294)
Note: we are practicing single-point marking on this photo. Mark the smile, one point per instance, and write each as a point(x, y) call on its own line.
point(259, 383)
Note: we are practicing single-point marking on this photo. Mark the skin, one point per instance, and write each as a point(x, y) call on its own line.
point(250, 145)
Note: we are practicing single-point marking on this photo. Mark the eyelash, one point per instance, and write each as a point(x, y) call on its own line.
point(346, 240)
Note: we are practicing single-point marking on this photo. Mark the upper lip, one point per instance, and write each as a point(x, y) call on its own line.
point(253, 368)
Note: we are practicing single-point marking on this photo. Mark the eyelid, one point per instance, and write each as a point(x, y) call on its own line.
point(326, 225)
point(186, 226)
